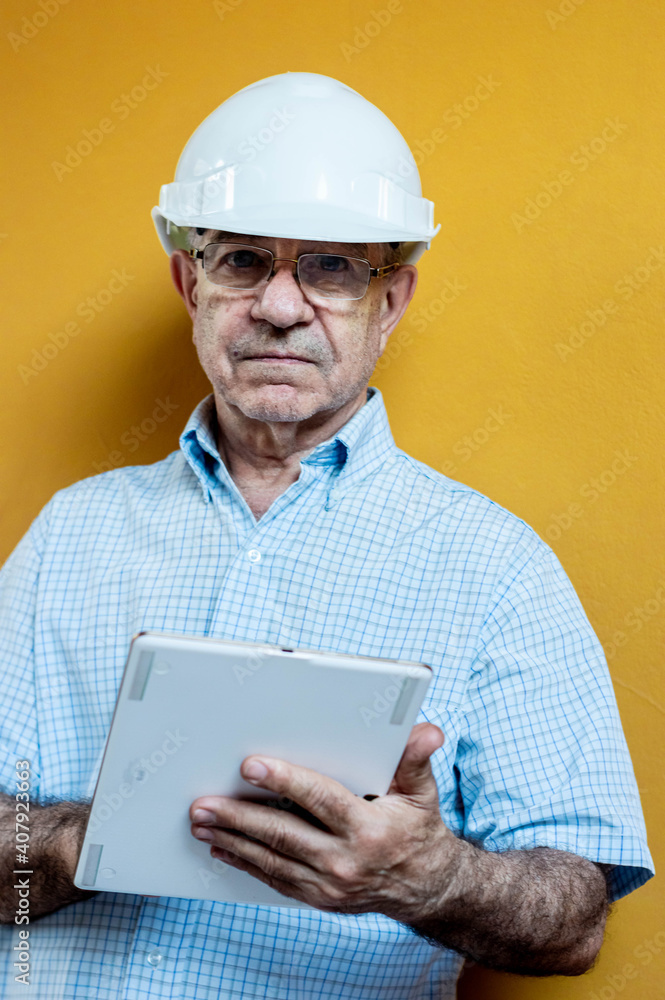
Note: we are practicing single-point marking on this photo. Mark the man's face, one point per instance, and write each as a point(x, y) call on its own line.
point(332, 344)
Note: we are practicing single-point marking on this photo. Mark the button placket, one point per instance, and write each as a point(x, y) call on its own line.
point(252, 579)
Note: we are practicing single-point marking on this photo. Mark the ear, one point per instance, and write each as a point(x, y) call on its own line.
point(399, 288)
point(184, 277)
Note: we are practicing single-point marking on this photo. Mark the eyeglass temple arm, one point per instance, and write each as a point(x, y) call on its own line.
point(381, 272)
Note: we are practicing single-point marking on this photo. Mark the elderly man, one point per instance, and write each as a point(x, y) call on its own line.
point(288, 515)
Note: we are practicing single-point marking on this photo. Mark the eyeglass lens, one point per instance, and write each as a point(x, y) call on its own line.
point(329, 275)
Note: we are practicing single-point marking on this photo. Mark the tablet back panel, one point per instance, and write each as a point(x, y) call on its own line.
point(190, 710)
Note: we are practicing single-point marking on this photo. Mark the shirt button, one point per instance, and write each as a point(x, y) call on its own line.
point(155, 957)
point(254, 555)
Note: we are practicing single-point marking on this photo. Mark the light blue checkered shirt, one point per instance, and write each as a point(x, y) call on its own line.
point(370, 552)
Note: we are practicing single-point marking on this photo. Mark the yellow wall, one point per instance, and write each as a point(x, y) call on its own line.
point(500, 292)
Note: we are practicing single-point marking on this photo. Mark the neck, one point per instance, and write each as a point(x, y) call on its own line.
point(269, 453)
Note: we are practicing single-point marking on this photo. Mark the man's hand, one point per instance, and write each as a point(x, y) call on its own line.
point(533, 912)
point(385, 856)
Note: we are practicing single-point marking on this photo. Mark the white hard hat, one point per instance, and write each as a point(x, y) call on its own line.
point(300, 156)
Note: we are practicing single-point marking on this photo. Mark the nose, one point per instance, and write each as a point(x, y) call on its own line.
point(281, 301)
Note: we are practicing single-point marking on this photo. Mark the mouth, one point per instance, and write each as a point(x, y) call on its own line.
point(288, 359)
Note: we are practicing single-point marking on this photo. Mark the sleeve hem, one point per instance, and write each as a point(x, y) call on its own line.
point(624, 879)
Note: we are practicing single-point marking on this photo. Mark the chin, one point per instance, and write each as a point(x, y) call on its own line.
point(277, 403)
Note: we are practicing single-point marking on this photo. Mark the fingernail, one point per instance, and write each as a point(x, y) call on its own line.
point(203, 816)
point(255, 771)
point(201, 833)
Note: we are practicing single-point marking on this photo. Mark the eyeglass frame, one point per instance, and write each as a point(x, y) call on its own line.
point(374, 272)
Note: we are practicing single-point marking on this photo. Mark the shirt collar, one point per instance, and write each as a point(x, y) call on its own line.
point(357, 449)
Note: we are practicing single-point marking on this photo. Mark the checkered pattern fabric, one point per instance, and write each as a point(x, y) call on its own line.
point(369, 552)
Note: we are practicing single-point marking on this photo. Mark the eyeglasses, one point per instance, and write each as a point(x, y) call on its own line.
point(329, 275)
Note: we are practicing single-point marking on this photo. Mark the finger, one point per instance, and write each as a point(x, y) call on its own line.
point(307, 885)
point(270, 862)
point(276, 828)
point(324, 797)
point(414, 776)
point(429, 737)
point(242, 864)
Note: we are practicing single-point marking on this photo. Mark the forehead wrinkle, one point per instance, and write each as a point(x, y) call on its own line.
point(351, 249)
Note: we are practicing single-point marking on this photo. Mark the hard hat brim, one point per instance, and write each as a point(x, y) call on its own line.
point(291, 228)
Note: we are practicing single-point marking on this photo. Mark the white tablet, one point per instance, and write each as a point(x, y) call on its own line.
point(190, 710)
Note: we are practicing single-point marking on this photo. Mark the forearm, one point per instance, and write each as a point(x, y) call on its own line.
point(538, 912)
point(56, 833)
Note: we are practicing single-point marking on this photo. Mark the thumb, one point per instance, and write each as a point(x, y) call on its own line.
point(414, 771)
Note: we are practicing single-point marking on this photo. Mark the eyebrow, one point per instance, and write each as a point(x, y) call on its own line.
point(220, 236)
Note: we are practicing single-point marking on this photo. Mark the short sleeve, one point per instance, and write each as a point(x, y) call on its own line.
point(19, 734)
point(542, 757)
